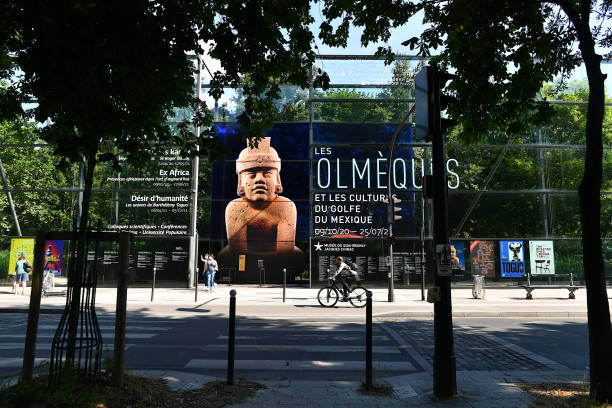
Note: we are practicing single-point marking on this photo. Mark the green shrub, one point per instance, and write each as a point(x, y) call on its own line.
point(4, 263)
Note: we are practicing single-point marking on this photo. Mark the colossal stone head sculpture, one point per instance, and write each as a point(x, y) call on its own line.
point(258, 172)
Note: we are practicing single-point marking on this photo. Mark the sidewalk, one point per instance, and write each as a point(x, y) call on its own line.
point(267, 302)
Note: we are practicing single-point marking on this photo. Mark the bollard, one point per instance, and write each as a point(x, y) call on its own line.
point(153, 285)
point(369, 339)
point(284, 282)
point(197, 272)
point(231, 338)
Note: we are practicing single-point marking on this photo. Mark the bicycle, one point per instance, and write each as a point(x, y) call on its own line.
point(48, 283)
point(329, 295)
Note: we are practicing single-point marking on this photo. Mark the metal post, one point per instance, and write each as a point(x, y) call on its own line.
point(197, 269)
point(423, 244)
point(10, 199)
point(389, 197)
point(231, 338)
point(153, 284)
point(369, 338)
point(390, 296)
point(120, 313)
point(445, 381)
point(284, 282)
point(34, 312)
point(193, 236)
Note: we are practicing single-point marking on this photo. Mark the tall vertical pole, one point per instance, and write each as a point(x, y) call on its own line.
point(10, 199)
point(121, 308)
point(193, 256)
point(310, 155)
point(444, 367)
point(34, 312)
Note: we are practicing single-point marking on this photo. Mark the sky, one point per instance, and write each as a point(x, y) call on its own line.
point(375, 72)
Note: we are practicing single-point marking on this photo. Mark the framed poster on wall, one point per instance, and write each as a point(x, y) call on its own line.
point(483, 258)
point(511, 259)
point(542, 256)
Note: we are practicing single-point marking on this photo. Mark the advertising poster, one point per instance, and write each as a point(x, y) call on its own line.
point(21, 246)
point(483, 258)
point(512, 259)
point(457, 249)
point(542, 256)
point(53, 256)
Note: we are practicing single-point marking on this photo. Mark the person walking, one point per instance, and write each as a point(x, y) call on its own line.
point(211, 269)
point(21, 274)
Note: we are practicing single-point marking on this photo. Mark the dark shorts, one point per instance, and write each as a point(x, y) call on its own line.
point(21, 277)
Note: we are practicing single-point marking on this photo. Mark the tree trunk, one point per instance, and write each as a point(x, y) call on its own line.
point(81, 259)
point(600, 334)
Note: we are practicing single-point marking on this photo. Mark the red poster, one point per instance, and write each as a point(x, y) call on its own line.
point(483, 258)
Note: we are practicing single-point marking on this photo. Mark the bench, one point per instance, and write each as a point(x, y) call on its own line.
point(571, 287)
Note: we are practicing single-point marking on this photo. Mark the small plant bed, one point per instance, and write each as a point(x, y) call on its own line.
point(138, 391)
point(376, 390)
point(557, 395)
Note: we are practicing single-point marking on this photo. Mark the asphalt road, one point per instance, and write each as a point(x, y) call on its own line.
point(317, 348)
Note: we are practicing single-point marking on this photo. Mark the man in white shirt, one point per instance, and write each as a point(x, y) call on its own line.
point(347, 276)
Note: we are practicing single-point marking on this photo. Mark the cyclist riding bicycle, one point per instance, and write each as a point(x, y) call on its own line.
point(347, 276)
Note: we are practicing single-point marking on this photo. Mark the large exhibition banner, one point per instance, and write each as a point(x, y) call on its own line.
point(350, 174)
point(20, 247)
point(542, 256)
point(483, 258)
point(512, 259)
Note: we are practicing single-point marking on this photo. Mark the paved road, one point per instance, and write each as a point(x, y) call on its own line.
point(318, 348)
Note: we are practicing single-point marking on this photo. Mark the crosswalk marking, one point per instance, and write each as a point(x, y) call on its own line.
point(15, 362)
point(312, 337)
point(293, 365)
point(302, 347)
point(301, 330)
point(112, 328)
point(104, 336)
point(47, 346)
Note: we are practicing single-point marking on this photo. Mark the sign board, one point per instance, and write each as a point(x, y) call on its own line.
point(511, 259)
point(242, 263)
point(542, 257)
point(443, 260)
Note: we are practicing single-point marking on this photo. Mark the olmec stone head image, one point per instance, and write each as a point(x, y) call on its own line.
point(261, 223)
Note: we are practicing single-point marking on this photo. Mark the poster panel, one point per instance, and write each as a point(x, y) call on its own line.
point(20, 246)
point(457, 249)
point(542, 257)
point(483, 258)
point(53, 256)
point(511, 259)
point(160, 198)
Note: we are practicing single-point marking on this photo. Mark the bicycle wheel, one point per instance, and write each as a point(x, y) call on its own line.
point(327, 296)
point(358, 296)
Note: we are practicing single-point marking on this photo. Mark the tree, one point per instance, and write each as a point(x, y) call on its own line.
point(502, 53)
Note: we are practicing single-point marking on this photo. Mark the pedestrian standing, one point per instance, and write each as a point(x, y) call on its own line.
point(21, 273)
point(204, 260)
point(210, 272)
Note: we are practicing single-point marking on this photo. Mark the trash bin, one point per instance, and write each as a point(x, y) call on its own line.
point(478, 287)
